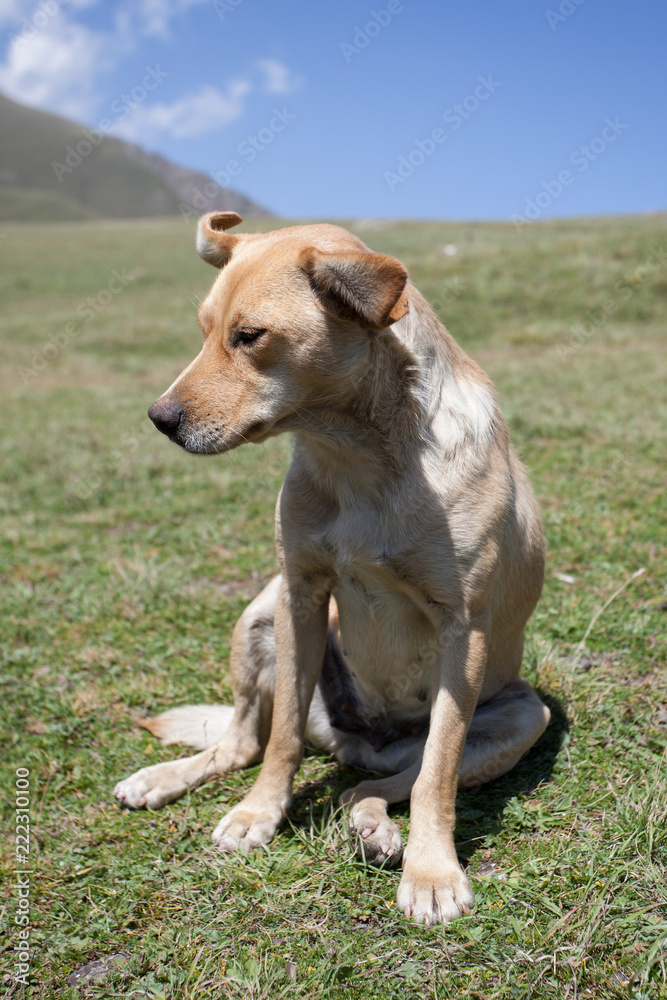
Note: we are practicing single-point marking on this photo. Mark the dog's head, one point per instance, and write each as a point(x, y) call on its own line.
point(286, 326)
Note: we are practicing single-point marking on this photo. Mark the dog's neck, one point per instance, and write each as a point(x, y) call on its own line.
point(419, 395)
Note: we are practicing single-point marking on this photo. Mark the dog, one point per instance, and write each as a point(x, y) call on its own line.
point(409, 543)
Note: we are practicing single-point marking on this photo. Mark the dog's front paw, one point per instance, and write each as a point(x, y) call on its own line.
point(151, 787)
point(434, 895)
point(377, 838)
point(246, 827)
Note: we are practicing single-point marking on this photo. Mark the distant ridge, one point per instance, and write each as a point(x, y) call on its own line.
point(51, 169)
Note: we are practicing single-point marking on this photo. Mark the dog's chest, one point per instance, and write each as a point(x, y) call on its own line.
point(389, 646)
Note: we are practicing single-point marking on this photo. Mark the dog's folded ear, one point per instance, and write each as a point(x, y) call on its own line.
point(367, 288)
point(213, 244)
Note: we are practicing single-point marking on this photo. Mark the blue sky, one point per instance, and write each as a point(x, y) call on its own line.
point(402, 108)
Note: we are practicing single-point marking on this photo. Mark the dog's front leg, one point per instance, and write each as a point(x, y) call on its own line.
point(433, 888)
point(300, 630)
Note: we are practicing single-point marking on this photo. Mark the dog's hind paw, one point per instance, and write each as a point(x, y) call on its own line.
point(151, 787)
point(376, 838)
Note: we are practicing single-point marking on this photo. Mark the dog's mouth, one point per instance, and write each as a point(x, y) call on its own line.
point(209, 436)
point(214, 440)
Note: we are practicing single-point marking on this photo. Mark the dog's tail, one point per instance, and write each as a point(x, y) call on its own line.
point(198, 726)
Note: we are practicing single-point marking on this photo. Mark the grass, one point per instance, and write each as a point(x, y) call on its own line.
point(125, 562)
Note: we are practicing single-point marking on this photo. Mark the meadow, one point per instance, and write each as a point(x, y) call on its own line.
point(124, 563)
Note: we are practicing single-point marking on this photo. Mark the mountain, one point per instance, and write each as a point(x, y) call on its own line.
point(54, 169)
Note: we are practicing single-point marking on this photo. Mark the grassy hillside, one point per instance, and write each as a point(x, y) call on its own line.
point(18, 203)
point(124, 563)
point(59, 170)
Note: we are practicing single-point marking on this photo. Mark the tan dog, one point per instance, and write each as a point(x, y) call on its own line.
point(410, 548)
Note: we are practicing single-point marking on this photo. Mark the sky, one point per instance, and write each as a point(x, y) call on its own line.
point(346, 109)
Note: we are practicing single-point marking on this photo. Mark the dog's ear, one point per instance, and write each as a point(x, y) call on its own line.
point(213, 244)
point(366, 288)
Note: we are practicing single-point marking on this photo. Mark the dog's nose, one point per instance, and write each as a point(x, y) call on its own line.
point(166, 415)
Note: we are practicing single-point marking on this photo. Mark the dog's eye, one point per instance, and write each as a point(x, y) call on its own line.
point(247, 336)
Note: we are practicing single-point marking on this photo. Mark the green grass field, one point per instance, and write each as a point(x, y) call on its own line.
point(125, 563)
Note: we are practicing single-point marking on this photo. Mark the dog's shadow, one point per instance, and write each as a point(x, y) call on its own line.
point(479, 811)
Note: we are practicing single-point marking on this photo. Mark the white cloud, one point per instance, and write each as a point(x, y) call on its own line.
point(279, 78)
point(156, 15)
point(56, 69)
point(56, 63)
point(22, 14)
point(11, 11)
point(206, 110)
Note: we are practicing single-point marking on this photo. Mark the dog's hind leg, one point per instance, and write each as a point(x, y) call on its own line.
point(501, 731)
point(238, 736)
point(376, 836)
